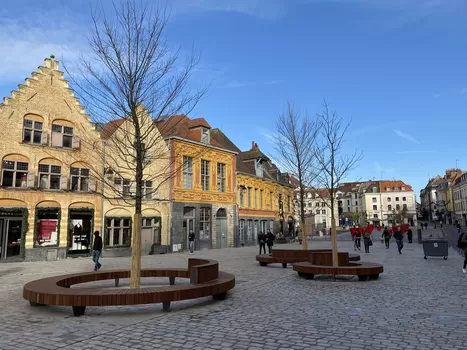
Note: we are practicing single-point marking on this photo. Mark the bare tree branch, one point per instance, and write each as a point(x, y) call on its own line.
point(130, 83)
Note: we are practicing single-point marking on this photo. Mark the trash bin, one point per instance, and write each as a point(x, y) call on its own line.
point(435, 247)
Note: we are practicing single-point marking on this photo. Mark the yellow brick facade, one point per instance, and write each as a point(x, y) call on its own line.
point(210, 213)
point(40, 126)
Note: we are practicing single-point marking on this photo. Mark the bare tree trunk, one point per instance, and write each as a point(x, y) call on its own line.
point(335, 253)
point(135, 273)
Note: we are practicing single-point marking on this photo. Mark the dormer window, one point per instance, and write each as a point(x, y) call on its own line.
point(374, 189)
point(259, 167)
point(205, 137)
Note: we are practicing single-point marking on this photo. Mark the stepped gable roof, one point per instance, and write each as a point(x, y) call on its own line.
point(46, 71)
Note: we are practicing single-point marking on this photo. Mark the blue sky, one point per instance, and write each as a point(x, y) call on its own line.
point(396, 68)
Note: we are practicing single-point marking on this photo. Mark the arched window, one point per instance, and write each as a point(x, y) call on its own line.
point(33, 130)
point(50, 175)
point(15, 172)
point(63, 135)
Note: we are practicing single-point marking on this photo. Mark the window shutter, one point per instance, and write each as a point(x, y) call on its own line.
point(118, 189)
point(63, 182)
point(31, 180)
point(75, 142)
point(92, 184)
point(132, 189)
point(57, 139)
point(44, 138)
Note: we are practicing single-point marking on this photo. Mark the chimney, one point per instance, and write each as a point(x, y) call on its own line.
point(252, 144)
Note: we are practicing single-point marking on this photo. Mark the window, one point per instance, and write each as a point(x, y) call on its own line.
point(118, 232)
point(187, 173)
point(388, 189)
point(14, 174)
point(241, 197)
point(397, 199)
point(126, 192)
point(49, 176)
point(348, 209)
point(79, 179)
point(205, 223)
point(123, 187)
point(270, 200)
point(147, 190)
point(261, 199)
point(205, 135)
point(153, 224)
point(205, 175)
point(221, 177)
point(318, 211)
point(288, 204)
point(404, 207)
point(389, 207)
point(62, 136)
point(348, 202)
point(374, 200)
point(374, 189)
point(323, 204)
point(375, 207)
point(356, 202)
point(32, 131)
point(389, 199)
point(404, 199)
point(375, 216)
point(403, 188)
point(255, 199)
point(323, 212)
point(249, 197)
point(398, 207)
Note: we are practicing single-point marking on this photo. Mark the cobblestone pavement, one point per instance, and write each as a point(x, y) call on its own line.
point(416, 304)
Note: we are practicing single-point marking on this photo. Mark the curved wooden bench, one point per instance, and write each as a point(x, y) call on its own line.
point(205, 280)
point(364, 270)
point(291, 256)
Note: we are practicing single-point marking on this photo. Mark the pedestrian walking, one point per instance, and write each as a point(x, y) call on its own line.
point(367, 242)
point(270, 240)
point(409, 235)
point(398, 236)
point(358, 242)
point(441, 223)
point(97, 250)
point(387, 236)
point(458, 228)
point(262, 242)
point(426, 226)
point(462, 244)
point(191, 241)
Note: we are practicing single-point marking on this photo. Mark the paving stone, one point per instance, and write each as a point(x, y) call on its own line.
point(416, 304)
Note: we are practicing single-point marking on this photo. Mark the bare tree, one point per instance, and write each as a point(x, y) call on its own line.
point(129, 84)
point(294, 142)
point(333, 165)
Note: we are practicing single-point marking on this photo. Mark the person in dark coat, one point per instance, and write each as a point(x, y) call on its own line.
point(270, 240)
point(262, 242)
point(387, 236)
point(399, 237)
point(409, 235)
point(97, 250)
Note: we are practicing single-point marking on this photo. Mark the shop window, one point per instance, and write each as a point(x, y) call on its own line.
point(205, 224)
point(47, 227)
point(118, 232)
point(80, 231)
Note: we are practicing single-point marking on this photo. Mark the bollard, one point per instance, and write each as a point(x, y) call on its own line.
point(419, 235)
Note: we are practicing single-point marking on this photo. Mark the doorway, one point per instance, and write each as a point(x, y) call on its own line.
point(10, 238)
point(188, 225)
point(221, 228)
point(150, 234)
point(79, 231)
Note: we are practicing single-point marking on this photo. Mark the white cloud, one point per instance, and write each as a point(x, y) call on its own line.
point(406, 136)
point(24, 45)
